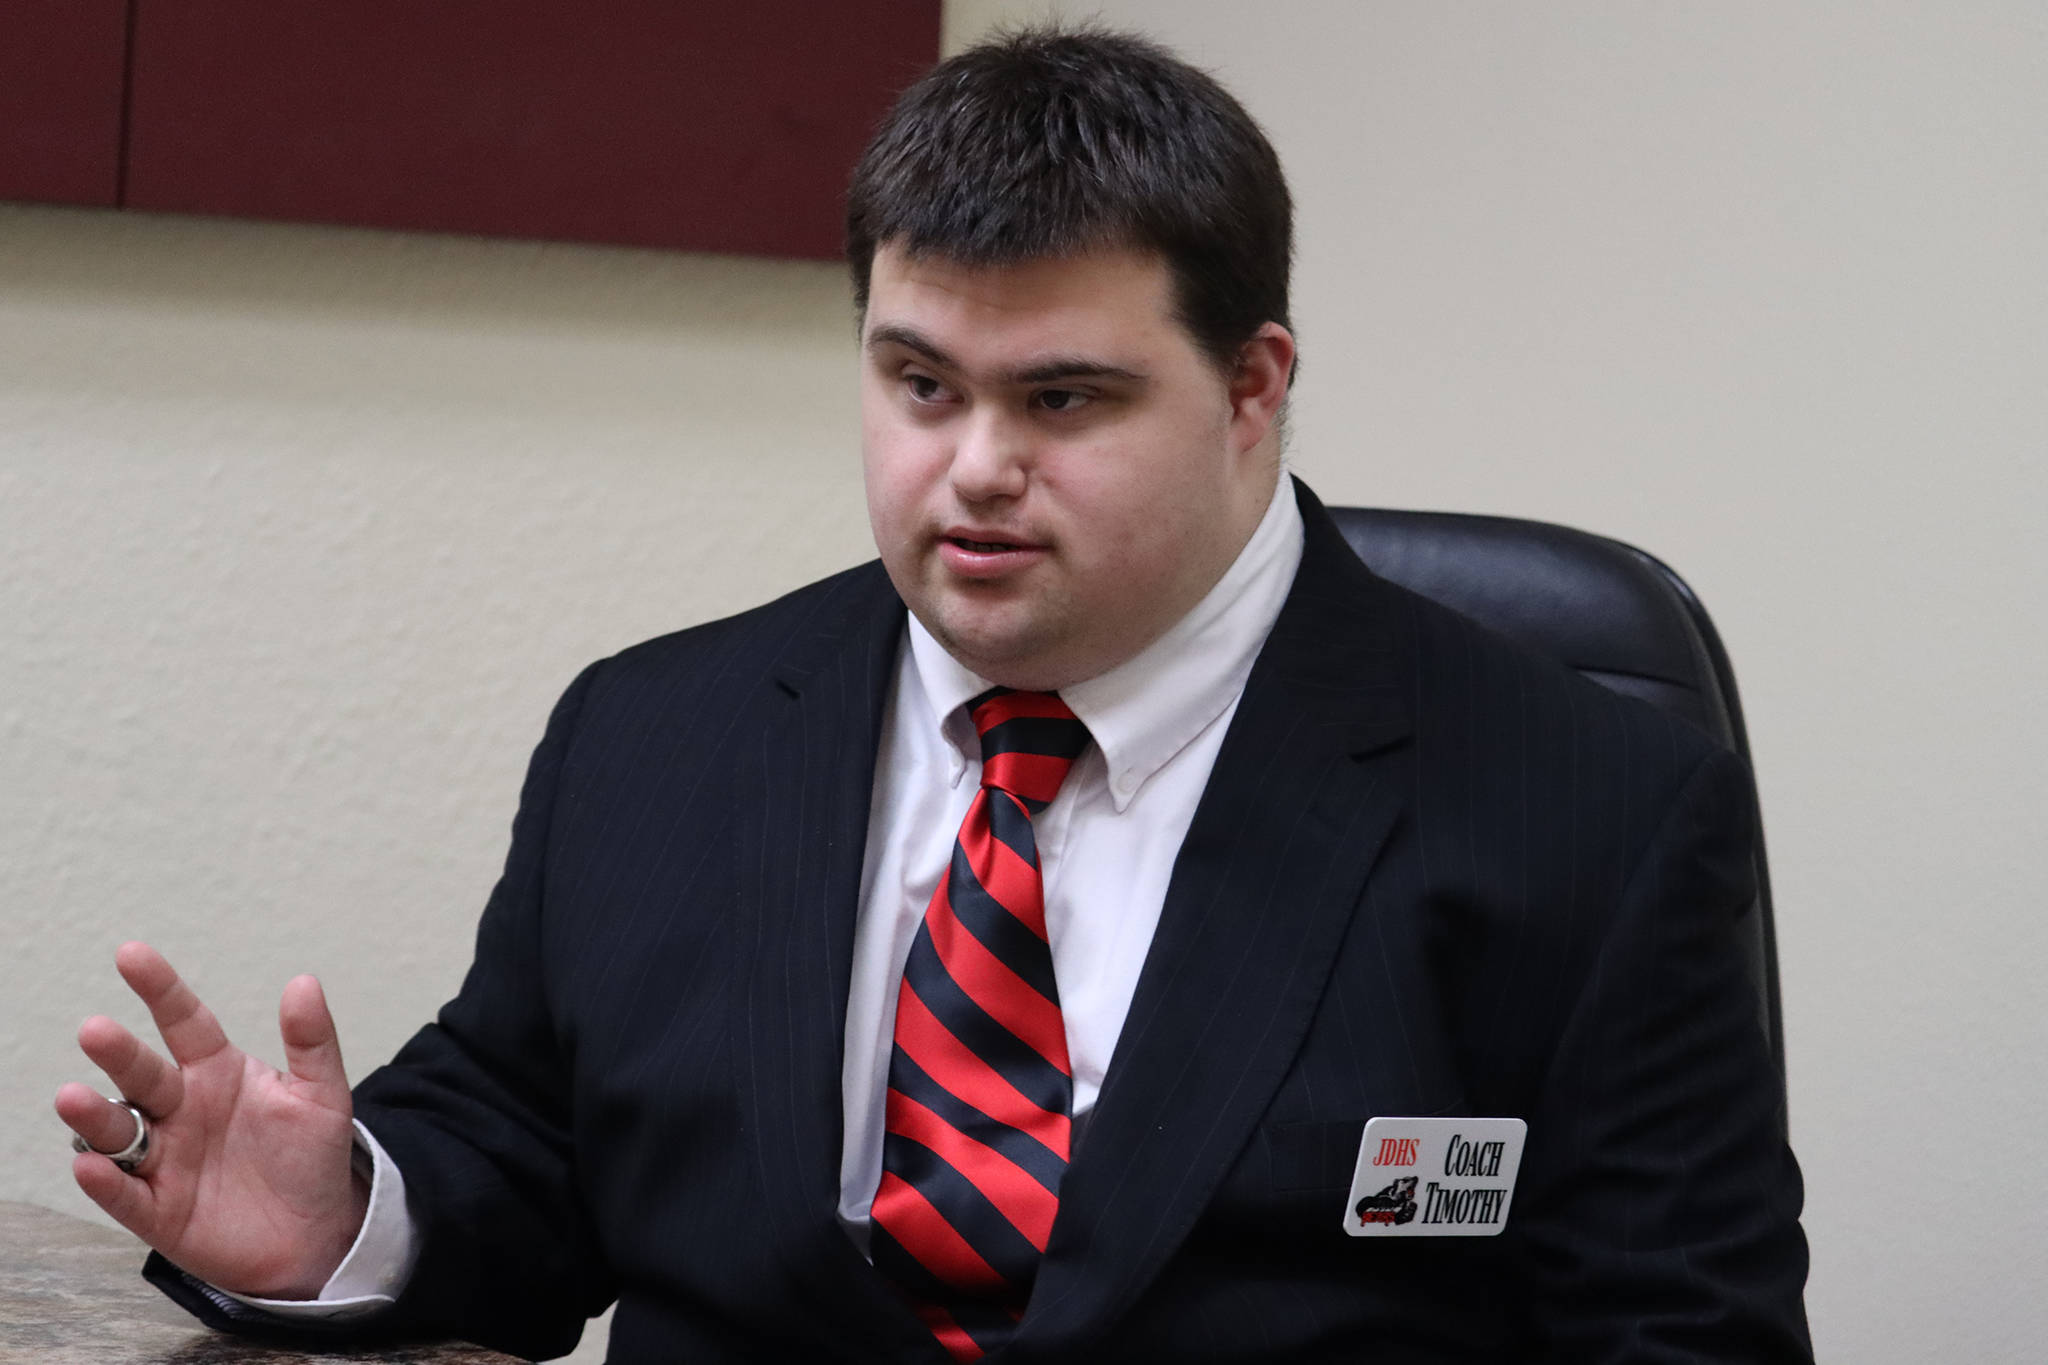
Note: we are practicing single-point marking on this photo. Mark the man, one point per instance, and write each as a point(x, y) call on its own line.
point(1017, 974)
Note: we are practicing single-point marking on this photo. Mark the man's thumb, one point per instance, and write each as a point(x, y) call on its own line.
point(311, 1050)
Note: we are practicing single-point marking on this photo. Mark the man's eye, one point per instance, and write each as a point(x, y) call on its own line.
point(924, 388)
point(1061, 400)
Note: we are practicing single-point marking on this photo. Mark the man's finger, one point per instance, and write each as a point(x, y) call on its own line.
point(311, 1050)
point(105, 1126)
point(127, 1198)
point(133, 1066)
point(189, 1029)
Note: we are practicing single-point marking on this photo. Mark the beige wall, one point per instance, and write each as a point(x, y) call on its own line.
point(301, 531)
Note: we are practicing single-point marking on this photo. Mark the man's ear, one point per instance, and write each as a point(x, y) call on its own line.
point(1258, 384)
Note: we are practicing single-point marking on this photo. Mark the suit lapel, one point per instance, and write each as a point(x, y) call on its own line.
point(809, 777)
point(1304, 792)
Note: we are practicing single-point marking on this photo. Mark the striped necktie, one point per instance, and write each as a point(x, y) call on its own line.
point(976, 1130)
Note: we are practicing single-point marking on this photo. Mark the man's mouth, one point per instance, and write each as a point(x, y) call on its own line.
point(976, 557)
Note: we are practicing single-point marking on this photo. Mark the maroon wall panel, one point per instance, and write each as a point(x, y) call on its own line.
point(61, 65)
point(726, 126)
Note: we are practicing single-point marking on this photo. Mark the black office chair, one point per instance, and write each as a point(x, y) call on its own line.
point(1620, 617)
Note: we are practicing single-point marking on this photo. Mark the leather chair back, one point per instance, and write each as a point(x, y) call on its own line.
point(1619, 616)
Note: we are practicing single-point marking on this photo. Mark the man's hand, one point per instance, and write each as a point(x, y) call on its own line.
point(247, 1183)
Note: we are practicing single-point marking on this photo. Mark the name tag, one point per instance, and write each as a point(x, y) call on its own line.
point(1434, 1177)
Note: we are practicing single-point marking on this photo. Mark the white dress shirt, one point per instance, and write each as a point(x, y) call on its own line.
point(1107, 844)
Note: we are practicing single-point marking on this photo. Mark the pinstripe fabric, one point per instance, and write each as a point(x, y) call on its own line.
point(1432, 874)
point(977, 1128)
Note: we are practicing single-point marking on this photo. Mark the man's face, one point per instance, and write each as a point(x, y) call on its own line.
point(1055, 472)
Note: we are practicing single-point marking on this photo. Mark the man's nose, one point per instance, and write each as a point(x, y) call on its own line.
point(992, 458)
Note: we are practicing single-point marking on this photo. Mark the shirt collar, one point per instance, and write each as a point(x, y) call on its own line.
point(1148, 708)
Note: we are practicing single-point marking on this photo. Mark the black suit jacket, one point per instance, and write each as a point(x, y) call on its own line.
point(1432, 874)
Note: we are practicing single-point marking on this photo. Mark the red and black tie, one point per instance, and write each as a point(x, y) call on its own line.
point(977, 1124)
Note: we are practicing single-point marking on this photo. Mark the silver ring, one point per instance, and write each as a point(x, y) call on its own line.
point(129, 1157)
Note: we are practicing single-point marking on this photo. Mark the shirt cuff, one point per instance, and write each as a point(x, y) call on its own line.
point(376, 1269)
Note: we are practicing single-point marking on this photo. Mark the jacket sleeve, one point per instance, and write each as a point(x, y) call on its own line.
point(475, 1112)
point(1663, 1222)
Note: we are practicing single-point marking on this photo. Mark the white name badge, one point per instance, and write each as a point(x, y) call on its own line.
point(1434, 1177)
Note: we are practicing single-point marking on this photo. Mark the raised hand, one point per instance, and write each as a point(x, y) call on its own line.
point(247, 1183)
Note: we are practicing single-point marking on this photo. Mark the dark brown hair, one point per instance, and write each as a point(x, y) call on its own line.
point(1051, 142)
